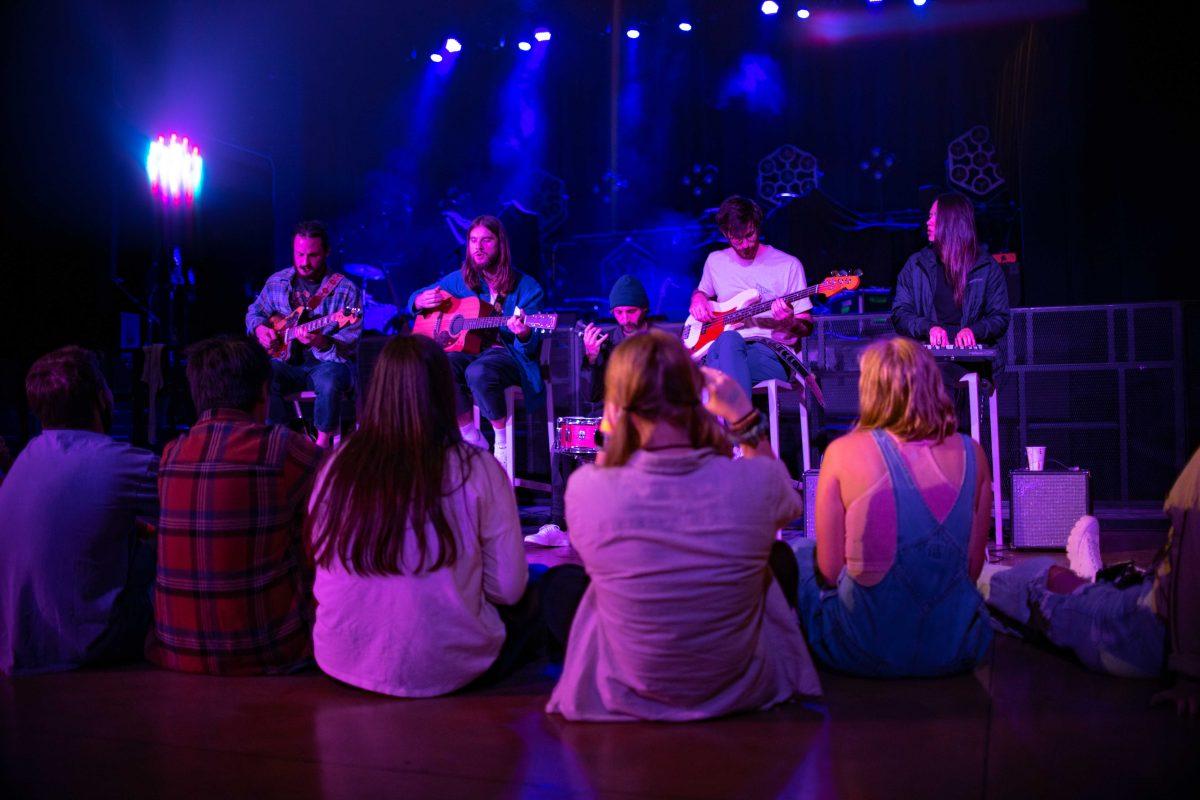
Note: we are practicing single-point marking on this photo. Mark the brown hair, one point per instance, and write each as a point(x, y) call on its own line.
point(653, 375)
point(389, 477)
point(506, 276)
point(66, 389)
point(900, 390)
point(227, 372)
point(954, 240)
point(736, 214)
point(313, 229)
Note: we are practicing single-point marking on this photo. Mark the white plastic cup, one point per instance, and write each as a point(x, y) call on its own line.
point(1037, 458)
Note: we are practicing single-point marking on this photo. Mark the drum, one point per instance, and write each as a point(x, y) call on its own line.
point(577, 435)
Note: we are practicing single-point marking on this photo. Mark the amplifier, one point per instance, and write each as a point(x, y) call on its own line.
point(1046, 505)
point(810, 502)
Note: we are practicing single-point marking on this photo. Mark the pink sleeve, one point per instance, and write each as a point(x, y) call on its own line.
point(504, 568)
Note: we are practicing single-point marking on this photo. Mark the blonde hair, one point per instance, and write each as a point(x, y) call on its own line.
point(900, 390)
point(653, 375)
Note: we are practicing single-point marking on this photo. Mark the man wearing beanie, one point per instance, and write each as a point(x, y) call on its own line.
point(631, 309)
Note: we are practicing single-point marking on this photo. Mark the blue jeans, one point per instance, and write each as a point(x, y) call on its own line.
point(746, 362)
point(1109, 629)
point(329, 380)
point(482, 379)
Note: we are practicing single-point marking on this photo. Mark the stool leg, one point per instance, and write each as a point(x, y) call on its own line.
point(510, 404)
point(972, 381)
point(805, 448)
point(994, 436)
point(773, 416)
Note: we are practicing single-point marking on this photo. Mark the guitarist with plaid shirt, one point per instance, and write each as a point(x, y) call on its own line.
point(326, 358)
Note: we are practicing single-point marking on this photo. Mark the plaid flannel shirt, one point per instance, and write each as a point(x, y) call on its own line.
point(233, 588)
point(276, 298)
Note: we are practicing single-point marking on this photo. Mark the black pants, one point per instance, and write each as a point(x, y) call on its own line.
point(952, 372)
point(482, 380)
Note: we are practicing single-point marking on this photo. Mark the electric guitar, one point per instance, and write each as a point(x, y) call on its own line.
point(738, 310)
point(286, 328)
point(458, 324)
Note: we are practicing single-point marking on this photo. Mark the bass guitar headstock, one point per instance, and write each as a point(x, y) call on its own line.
point(840, 281)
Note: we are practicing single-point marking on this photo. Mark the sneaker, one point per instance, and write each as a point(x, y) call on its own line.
point(549, 536)
point(1083, 548)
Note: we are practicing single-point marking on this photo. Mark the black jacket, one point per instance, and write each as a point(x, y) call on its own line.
point(985, 302)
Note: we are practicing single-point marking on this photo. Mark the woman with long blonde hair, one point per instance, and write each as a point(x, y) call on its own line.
point(684, 618)
point(902, 513)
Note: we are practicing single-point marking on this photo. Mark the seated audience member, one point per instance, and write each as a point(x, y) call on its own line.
point(74, 577)
point(417, 542)
point(902, 515)
point(232, 595)
point(1130, 625)
point(684, 618)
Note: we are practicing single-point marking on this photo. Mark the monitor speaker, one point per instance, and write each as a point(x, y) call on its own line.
point(810, 502)
point(1046, 505)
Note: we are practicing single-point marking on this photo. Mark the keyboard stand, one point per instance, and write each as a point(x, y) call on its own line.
point(972, 381)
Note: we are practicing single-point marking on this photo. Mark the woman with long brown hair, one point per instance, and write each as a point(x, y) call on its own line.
point(902, 513)
point(415, 537)
point(951, 292)
point(684, 618)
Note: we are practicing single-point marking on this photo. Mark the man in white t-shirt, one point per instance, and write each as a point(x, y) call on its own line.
point(749, 264)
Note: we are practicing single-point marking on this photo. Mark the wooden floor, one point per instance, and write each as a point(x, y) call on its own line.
point(1029, 723)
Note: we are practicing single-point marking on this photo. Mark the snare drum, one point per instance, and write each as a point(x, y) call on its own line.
point(577, 435)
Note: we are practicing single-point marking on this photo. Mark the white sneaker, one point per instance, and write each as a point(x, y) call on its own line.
point(1083, 548)
point(475, 439)
point(549, 536)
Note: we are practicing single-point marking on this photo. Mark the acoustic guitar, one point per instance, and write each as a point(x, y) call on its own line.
point(459, 324)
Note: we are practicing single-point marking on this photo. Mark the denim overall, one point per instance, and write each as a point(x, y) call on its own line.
point(925, 617)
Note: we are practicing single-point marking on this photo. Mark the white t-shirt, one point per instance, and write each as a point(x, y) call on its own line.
point(773, 273)
point(426, 634)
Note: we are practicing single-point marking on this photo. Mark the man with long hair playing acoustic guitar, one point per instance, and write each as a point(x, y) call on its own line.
point(319, 358)
point(484, 367)
point(748, 266)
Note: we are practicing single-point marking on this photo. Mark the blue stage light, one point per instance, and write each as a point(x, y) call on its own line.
point(918, 3)
point(633, 33)
point(542, 35)
point(770, 7)
point(803, 13)
point(453, 46)
point(435, 58)
point(685, 26)
point(526, 46)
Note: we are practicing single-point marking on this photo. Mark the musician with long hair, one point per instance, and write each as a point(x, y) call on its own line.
point(685, 617)
point(487, 272)
point(416, 541)
point(951, 292)
point(902, 514)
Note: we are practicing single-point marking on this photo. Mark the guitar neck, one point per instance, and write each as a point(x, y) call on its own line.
point(762, 308)
point(312, 325)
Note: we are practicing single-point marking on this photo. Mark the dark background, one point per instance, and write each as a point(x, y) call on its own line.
point(306, 109)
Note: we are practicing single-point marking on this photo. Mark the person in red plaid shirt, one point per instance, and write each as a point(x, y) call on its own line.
point(233, 589)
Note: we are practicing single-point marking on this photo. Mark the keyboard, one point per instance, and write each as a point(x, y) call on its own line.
point(978, 353)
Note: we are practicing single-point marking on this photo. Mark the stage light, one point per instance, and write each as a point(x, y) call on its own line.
point(542, 35)
point(435, 58)
point(453, 46)
point(685, 26)
point(770, 7)
point(173, 169)
point(633, 33)
point(803, 13)
point(526, 46)
point(918, 3)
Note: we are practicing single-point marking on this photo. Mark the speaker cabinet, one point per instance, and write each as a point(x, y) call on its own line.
point(1046, 505)
point(810, 502)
